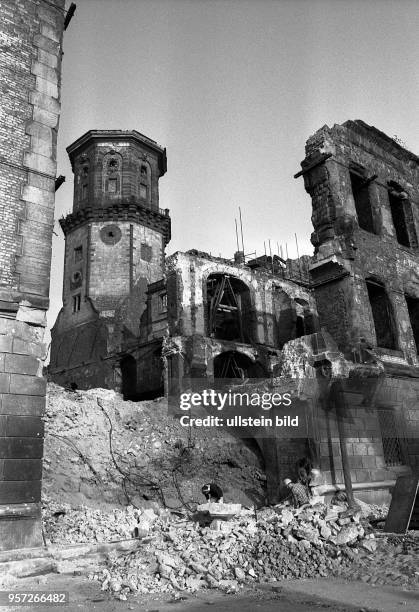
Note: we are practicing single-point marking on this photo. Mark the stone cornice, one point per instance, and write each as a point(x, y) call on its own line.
point(118, 135)
point(154, 219)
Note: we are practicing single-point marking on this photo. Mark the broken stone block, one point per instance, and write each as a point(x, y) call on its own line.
point(348, 533)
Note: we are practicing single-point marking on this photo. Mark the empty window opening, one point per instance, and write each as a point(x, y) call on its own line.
point(382, 314)
point(393, 443)
point(300, 327)
point(84, 191)
point(360, 191)
point(128, 367)
point(76, 302)
point(229, 309)
point(143, 170)
point(413, 308)
point(163, 302)
point(402, 215)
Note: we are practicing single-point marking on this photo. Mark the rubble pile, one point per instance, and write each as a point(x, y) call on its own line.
point(64, 524)
point(102, 451)
point(275, 545)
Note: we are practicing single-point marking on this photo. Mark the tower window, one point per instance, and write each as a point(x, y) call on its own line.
point(413, 308)
point(382, 314)
point(143, 170)
point(402, 215)
point(143, 192)
point(76, 302)
point(146, 252)
point(84, 191)
point(112, 185)
point(78, 254)
point(360, 192)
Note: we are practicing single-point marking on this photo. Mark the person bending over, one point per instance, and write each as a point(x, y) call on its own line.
point(212, 493)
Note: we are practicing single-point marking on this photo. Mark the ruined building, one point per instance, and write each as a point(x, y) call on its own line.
point(133, 321)
point(30, 69)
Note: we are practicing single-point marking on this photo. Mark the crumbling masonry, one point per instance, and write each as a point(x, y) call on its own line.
point(135, 322)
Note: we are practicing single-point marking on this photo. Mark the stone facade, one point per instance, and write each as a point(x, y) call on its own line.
point(365, 275)
point(30, 68)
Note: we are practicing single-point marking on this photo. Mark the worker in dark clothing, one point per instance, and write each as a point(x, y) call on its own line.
point(212, 493)
point(304, 468)
point(297, 493)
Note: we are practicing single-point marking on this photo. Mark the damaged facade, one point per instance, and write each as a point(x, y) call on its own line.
point(136, 322)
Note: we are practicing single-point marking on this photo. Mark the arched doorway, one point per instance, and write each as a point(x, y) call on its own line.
point(229, 309)
point(128, 367)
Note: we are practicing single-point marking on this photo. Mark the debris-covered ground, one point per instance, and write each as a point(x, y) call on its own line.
point(182, 554)
point(103, 453)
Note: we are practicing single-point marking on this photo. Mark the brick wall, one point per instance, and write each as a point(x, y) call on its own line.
point(30, 68)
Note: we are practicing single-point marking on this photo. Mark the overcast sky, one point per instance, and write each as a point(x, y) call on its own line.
point(233, 88)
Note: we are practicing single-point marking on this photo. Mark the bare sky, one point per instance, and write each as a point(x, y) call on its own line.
point(233, 88)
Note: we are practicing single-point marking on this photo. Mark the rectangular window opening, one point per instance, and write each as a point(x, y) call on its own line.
point(78, 254)
point(402, 215)
point(360, 191)
point(76, 302)
point(143, 192)
point(413, 308)
point(112, 185)
point(382, 314)
point(163, 302)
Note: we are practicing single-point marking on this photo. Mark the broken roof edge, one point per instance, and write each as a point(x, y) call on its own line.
point(361, 128)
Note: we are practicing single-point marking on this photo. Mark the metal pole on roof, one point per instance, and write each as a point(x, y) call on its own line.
point(298, 255)
point(237, 236)
point(241, 228)
point(270, 255)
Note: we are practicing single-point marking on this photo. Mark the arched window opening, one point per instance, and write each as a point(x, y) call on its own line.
point(382, 313)
point(83, 179)
point(229, 309)
point(144, 185)
point(129, 377)
point(232, 365)
point(112, 167)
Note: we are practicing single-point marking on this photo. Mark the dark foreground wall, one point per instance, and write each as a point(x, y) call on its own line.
point(30, 71)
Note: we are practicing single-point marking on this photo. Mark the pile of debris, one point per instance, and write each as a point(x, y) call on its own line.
point(64, 524)
point(103, 451)
point(276, 544)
